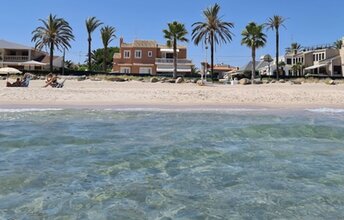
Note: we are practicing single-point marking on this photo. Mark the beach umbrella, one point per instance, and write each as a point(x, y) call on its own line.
point(9, 70)
point(32, 63)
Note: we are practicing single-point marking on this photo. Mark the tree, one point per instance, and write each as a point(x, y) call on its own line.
point(175, 32)
point(213, 31)
point(54, 33)
point(274, 23)
point(98, 58)
point(254, 38)
point(195, 70)
point(92, 23)
point(338, 44)
point(294, 48)
point(107, 34)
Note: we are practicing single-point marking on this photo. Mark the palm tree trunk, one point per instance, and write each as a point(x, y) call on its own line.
point(212, 56)
point(89, 52)
point(253, 64)
point(105, 58)
point(277, 54)
point(51, 57)
point(175, 58)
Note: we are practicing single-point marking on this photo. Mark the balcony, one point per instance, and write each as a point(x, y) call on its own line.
point(10, 58)
point(170, 61)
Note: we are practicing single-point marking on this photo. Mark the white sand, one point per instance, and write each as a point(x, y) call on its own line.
point(104, 93)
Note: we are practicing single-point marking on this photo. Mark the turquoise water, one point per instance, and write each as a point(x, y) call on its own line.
point(112, 164)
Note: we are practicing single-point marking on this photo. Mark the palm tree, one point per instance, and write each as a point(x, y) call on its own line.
point(294, 48)
point(107, 34)
point(92, 23)
point(212, 30)
point(338, 44)
point(274, 23)
point(254, 38)
point(175, 32)
point(54, 33)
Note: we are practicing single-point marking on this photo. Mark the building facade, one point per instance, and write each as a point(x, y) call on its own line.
point(148, 57)
point(323, 61)
point(25, 58)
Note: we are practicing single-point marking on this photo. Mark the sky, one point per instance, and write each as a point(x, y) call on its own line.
point(309, 22)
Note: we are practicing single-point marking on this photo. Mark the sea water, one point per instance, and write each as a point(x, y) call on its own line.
point(160, 164)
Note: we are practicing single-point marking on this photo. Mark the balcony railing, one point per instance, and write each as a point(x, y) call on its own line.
point(170, 61)
point(10, 58)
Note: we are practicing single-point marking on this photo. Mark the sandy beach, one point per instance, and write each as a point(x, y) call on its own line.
point(144, 94)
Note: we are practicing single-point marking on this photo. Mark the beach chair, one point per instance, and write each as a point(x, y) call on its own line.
point(26, 81)
point(58, 84)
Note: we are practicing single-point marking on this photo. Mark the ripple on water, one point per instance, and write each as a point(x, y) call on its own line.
point(94, 164)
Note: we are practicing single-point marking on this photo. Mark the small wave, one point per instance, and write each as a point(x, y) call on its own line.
point(18, 110)
point(326, 110)
point(206, 109)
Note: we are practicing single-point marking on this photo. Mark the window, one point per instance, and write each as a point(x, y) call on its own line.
point(169, 55)
point(138, 54)
point(125, 70)
point(323, 56)
point(150, 53)
point(313, 57)
point(145, 70)
point(289, 61)
point(127, 54)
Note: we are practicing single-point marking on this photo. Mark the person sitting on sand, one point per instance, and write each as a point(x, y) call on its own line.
point(52, 81)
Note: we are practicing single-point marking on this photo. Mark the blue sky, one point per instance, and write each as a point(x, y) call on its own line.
point(310, 22)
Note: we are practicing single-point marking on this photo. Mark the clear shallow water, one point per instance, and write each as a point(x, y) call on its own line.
point(103, 164)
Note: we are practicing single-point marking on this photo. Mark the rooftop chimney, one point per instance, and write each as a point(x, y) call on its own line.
point(120, 41)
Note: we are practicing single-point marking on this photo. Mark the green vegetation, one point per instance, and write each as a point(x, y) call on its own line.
point(175, 32)
point(294, 48)
point(107, 34)
point(254, 38)
point(55, 33)
point(213, 31)
point(274, 23)
point(338, 44)
point(98, 58)
point(91, 25)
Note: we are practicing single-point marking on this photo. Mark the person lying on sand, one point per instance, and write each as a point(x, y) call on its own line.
point(14, 84)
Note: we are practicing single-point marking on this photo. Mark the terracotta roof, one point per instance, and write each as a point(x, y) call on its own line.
point(224, 68)
point(147, 44)
point(141, 44)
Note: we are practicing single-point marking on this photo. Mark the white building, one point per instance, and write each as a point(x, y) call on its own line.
point(25, 58)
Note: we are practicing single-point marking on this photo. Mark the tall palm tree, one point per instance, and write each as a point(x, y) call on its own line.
point(274, 23)
point(338, 44)
point(212, 30)
point(175, 32)
point(254, 38)
point(54, 33)
point(107, 34)
point(92, 23)
point(294, 48)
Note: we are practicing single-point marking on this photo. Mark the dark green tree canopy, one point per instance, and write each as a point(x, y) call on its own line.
point(98, 58)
